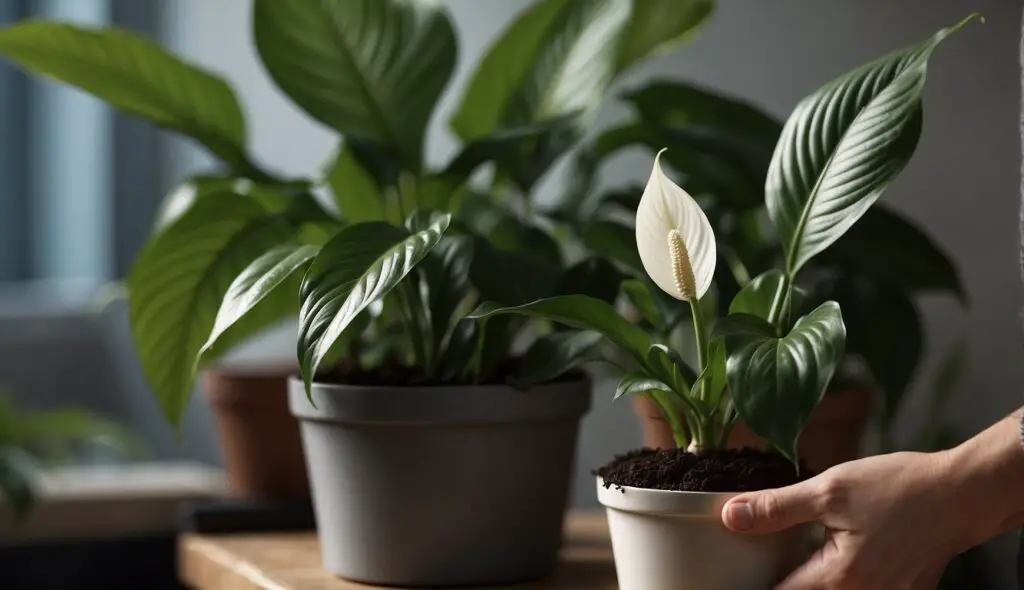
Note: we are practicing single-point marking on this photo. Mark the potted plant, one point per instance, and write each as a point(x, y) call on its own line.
point(421, 422)
point(31, 438)
point(722, 148)
point(769, 361)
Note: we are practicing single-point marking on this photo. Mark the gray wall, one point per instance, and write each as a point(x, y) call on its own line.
point(962, 186)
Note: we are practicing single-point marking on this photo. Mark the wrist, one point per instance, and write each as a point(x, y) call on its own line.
point(986, 476)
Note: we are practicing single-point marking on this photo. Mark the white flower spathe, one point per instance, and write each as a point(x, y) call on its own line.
point(674, 238)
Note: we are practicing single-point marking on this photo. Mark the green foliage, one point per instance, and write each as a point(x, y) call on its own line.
point(236, 250)
point(774, 353)
point(370, 69)
point(777, 382)
point(29, 438)
point(137, 77)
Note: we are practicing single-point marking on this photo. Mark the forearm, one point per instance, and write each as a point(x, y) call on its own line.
point(987, 476)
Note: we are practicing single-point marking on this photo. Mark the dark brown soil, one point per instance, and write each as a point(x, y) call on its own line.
point(744, 470)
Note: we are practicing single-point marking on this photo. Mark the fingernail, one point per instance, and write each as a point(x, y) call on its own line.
point(740, 516)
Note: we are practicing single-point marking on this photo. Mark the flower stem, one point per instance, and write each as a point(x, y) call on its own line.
point(701, 334)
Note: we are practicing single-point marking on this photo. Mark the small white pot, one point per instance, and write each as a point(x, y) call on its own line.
point(665, 540)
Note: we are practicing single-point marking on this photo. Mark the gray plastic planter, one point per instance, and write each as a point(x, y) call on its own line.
point(440, 486)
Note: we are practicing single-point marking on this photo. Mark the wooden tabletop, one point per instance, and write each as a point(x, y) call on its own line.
point(292, 561)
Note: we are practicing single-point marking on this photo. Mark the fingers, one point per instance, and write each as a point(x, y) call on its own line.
point(770, 511)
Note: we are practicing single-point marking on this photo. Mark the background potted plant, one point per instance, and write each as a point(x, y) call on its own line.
point(412, 402)
point(31, 439)
point(769, 361)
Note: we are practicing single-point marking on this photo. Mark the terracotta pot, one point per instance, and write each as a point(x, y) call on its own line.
point(833, 434)
point(259, 438)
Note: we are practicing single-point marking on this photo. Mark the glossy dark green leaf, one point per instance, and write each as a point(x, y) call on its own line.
point(553, 355)
point(371, 69)
point(614, 241)
point(592, 276)
point(639, 383)
point(777, 382)
point(179, 280)
point(135, 76)
point(358, 267)
point(582, 312)
point(657, 27)
point(681, 105)
point(894, 250)
point(557, 58)
point(265, 293)
point(510, 278)
point(355, 192)
point(509, 144)
point(842, 147)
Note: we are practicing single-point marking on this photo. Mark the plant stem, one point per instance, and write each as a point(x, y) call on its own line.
point(701, 334)
point(778, 313)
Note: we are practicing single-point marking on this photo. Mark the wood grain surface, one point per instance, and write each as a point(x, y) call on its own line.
point(292, 561)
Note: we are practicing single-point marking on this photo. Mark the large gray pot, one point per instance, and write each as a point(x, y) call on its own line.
point(440, 486)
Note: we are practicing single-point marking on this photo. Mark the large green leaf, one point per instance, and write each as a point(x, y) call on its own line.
point(355, 193)
point(660, 26)
point(553, 355)
point(180, 278)
point(135, 76)
point(371, 69)
point(582, 312)
point(893, 249)
point(267, 292)
point(777, 382)
point(841, 148)
point(510, 277)
point(681, 105)
point(359, 266)
point(556, 59)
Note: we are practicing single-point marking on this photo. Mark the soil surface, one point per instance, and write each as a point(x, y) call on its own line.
point(743, 470)
point(394, 374)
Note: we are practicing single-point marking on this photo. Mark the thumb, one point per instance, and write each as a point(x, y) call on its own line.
point(770, 511)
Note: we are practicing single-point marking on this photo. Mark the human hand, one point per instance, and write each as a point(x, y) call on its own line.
point(894, 522)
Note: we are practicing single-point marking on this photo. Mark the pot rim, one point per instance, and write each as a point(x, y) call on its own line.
point(662, 502)
point(439, 404)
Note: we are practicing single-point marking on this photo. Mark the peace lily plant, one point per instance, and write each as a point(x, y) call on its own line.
point(767, 361)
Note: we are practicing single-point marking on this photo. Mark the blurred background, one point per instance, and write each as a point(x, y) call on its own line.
point(79, 186)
